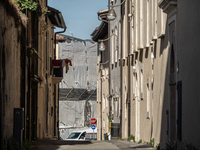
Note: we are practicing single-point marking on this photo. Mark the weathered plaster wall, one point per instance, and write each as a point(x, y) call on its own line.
point(10, 71)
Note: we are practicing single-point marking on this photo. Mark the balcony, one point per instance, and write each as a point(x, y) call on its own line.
point(57, 74)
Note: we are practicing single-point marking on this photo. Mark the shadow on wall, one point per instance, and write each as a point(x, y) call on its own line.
point(170, 100)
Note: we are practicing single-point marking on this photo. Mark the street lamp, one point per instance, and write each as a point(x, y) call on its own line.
point(116, 97)
point(109, 97)
point(111, 14)
point(102, 46)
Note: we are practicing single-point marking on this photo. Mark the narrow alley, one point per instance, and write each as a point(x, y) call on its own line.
point(131, 82)
point(89, 145)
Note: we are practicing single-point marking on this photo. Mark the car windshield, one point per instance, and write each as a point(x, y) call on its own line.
point(74, 135)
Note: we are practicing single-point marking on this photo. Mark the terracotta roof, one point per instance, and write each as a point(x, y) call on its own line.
point(102, 11)
point(59, 37)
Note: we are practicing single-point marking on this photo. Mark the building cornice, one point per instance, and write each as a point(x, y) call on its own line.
point(101, 31)
point(167, 5)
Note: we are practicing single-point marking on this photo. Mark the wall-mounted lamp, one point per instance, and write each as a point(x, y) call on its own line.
point(111, 13)
point(102, 46)
point(109, 97)
point(116, 97)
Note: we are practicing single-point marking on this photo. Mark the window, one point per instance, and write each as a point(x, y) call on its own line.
point(74, 135)
point(89, 136)
point(104, 103)
point(116, 44)
point(112, 47)
point(148, 101)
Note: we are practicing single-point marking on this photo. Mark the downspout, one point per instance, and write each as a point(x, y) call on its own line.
point(121, 69)
point(55, 40)
point(64, 26)
point(109, 81)
point(58, 133)
point(100, 102)
point(129, 76)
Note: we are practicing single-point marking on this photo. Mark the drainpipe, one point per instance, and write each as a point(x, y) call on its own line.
point(109, 80)
point(121, 69)
point(129, 77)
point(55, 40)
point(100, 102)
point(64, 26)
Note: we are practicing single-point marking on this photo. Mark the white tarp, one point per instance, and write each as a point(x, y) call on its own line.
point(71, 113)
point(83, 55)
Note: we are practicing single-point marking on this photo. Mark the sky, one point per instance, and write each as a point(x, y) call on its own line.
point(80, 16)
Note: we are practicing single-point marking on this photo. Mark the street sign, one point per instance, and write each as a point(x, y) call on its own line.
point(93, 121)
point(93, 127)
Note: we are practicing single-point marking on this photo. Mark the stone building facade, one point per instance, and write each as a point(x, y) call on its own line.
point(156, 73)
point(27, 81)
point(103, 103)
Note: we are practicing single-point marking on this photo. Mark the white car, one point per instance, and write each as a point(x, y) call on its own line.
point(84, 134)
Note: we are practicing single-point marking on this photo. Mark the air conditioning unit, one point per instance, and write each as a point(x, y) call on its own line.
point(172, 79)
point(148, 115)
point(142, 96)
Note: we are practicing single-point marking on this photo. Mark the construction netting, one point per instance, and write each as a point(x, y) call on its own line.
point(74, 110)
point(83, 55)
point(72, 113)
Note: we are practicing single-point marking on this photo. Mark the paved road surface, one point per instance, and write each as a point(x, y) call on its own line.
point(88, 145)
